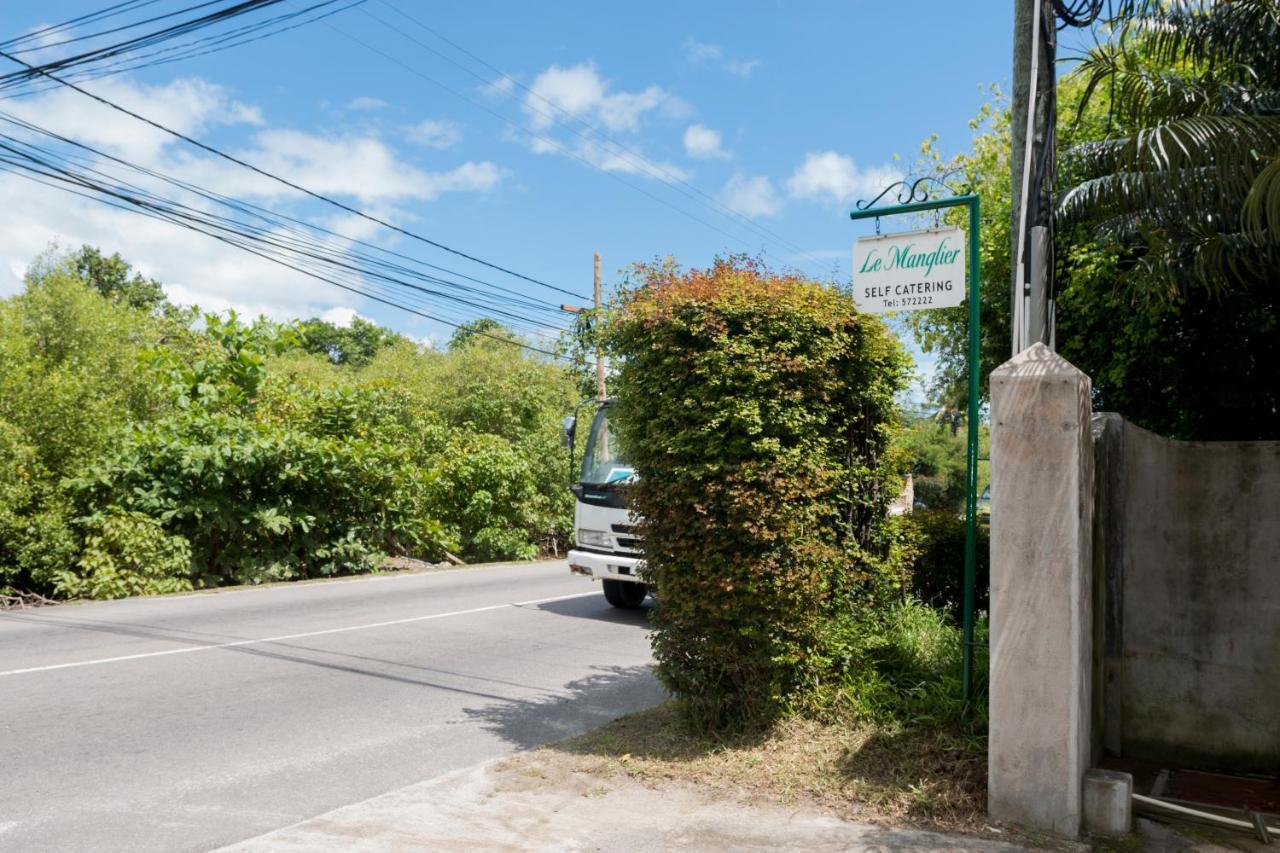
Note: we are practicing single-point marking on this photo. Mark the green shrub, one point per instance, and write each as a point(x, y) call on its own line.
point(126, 553)
point(485, 490)
point(756, 409)
point(906, 668)
point(936, 540)
point(261, 501)
point(36, 538)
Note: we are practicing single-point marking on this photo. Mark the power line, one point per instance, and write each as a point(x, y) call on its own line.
point(101, 14)
point(303, 253)
point(276, 218)
point(136, 206)
point(204, 46)
point(284, 181)
point(555, 144)
point(656, 170)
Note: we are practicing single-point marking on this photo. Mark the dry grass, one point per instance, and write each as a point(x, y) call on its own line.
point(931, 778)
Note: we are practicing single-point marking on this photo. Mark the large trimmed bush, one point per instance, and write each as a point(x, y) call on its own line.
point(756, 409)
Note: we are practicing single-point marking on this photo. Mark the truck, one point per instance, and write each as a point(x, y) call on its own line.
point(605, 545)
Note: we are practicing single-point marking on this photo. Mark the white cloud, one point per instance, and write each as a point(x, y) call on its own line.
point(341, 316)
point(579, 92)
point(188, 106)
point(500, 87)
point(703, 143)
point(436, 133)
point(828, 176)
point(362, 167)
point(364, 102)
point(563, 95)
point(194, 268)
point(699, 53)
point(751, 197)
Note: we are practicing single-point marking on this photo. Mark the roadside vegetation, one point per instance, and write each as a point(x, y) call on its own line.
point(146, 448)
point(1167, 237)
point(759, 410)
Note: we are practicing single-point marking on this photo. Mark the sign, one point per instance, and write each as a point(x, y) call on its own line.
point(909, 271)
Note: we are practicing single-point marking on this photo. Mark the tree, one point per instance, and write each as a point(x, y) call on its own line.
point(983, 170)
point(1187, 177)
point(353, 345)
point(111, 277)
point(1170, 211)
point(483, 329)
point(1187, 363)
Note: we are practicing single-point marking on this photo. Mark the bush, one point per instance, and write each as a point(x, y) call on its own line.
point(756, 409)
point(908, 669)
point(126, 553)
point(260, 501)
point(936, 539)
point(486, 490)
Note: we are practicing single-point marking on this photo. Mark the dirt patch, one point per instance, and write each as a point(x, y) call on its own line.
point(928, 778)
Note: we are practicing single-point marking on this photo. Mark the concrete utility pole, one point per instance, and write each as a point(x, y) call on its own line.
point(1032, 119)
point(599, 349)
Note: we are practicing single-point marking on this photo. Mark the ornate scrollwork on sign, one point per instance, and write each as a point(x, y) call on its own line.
point(921, 189)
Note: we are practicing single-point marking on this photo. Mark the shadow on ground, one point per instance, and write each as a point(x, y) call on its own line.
point(582, 705)
point(596, 608)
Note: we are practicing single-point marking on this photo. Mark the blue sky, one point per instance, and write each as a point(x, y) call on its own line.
point(784, 113)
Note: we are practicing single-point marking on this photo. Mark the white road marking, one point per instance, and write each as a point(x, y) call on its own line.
point(187, 649)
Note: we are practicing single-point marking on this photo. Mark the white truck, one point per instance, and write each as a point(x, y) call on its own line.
point(605, 545)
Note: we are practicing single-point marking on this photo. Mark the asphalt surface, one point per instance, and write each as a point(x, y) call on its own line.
point(191, 722)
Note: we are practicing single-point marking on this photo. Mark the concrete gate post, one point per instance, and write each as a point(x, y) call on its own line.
point(1041, 595)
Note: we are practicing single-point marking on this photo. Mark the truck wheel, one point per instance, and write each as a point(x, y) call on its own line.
point(624, 594)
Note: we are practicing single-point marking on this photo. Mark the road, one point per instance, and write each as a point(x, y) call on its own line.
point(189, 722)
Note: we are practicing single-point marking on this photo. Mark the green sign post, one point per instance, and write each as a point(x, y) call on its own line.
point(971, 477)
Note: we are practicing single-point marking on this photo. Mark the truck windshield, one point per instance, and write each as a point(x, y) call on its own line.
point(604, 461)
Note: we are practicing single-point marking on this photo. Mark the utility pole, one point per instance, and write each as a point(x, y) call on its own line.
point(1033, 117)
point(599, 349)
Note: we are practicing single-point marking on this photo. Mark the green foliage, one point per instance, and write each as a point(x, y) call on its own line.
point(164, 430)
point(488, 491)
point(261, 500)
point(110, 277)
point(944, 332)
point(474, 331)
point(756, 409)
point(906, 667)
point(936, 540)
point(126, 553)
point(354, 345)
point(936, 459)
point(1184, 362)
point(1184, 176)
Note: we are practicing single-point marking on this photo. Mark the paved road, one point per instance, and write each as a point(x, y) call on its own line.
point(185, 723)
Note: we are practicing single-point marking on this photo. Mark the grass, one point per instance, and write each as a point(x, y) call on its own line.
point(925, 776)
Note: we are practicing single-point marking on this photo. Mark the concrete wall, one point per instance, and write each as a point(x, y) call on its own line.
point(1187, 553)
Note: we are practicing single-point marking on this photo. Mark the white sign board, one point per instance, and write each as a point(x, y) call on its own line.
point(909, 271)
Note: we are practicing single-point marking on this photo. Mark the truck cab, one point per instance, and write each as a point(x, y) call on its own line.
point(606, 547)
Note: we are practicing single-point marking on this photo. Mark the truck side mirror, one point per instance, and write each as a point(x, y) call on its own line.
point(569, 427)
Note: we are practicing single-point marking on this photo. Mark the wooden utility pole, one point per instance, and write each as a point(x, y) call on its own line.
point(599, 350)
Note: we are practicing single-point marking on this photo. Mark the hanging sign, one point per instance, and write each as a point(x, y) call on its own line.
point(909, 271)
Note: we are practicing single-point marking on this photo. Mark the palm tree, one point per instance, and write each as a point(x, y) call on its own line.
point(1187, 180)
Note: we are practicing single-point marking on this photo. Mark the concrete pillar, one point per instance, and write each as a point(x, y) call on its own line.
point(1108, 803)
point(1041, 595)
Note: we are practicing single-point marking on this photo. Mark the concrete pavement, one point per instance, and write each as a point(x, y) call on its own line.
point(533, 803)
point(190, 722)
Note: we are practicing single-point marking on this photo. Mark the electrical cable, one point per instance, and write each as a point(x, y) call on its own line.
point(125, 204)
point(284, 181)
point(556, 145)
point(629, 155)
point(230, 231)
